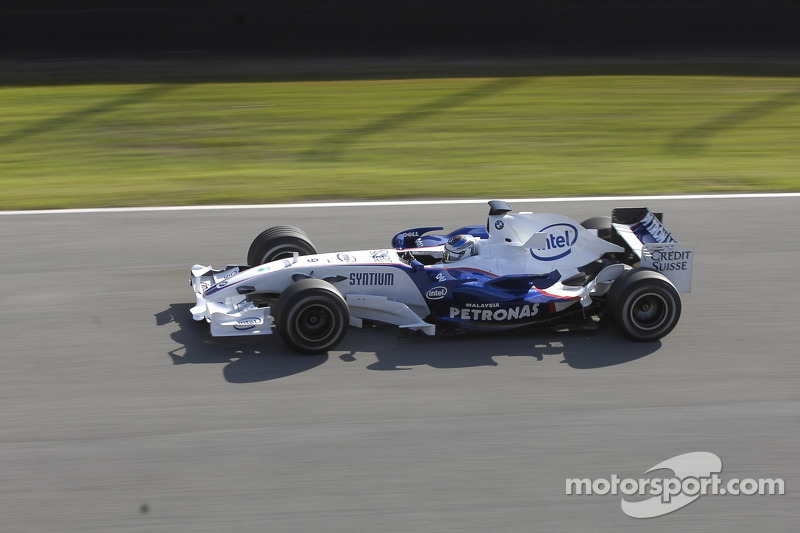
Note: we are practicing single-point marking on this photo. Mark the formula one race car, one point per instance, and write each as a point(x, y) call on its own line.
point(516, 270)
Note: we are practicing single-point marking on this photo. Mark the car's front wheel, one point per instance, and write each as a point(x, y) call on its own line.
point(311, 316)
point(644, 305)
point(279, 242)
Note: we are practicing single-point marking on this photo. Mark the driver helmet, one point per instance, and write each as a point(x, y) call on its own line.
point(459, 247)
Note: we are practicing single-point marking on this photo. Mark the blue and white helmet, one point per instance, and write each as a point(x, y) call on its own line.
point(459, 247)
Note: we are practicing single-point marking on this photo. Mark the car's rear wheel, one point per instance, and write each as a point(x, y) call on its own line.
point(602, 224)
point(311, 316)
point(279, 242)
point(644, 305)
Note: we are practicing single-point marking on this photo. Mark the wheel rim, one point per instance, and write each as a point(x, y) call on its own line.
point(649, 311)
point(315, 323)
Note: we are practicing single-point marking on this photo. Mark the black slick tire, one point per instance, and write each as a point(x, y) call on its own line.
point(644, 305)
point(311, 316)
point(279, 242)
point(602, 224)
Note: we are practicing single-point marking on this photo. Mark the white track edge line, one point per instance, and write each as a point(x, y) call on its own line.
point(395, 203)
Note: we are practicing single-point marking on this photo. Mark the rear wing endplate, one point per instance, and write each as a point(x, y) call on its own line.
point(643, 233)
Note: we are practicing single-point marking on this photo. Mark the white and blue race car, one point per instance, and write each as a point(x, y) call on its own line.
point(517, 270)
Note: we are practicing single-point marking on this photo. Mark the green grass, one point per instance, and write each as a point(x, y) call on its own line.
point(128, 144)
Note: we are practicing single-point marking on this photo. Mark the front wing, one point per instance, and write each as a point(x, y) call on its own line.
point(228, 318)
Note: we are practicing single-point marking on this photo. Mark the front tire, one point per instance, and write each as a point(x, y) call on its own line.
point(279, 242)
point(312, 316)
point(644, 305)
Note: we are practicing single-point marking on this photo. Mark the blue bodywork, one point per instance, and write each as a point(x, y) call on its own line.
point(468, 299)
point(417, 238)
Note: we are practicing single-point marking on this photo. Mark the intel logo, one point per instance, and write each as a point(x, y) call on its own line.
point(559, 242)
point(247, 323)
point(436, 293)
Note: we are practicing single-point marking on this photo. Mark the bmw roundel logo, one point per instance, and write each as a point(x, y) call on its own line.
point(499, 224)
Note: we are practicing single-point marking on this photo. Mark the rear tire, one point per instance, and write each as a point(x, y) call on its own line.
point(602, 224)
point(279, 242)
point(644, 305)
point(311, 316)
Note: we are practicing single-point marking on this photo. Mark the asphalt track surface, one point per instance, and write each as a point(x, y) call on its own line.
point(122, 414)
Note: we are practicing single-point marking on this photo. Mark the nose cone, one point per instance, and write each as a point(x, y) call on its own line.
point(227, 284)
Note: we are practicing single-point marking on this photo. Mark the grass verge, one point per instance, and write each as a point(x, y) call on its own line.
point(196, 140)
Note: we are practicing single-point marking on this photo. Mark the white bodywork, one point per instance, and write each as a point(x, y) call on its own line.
point(373, 282)
point(538, 243)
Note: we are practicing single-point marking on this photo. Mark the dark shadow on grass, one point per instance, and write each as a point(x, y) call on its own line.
point(56, 123)
point(693, 140)
point(266, 358)
point(333, 146)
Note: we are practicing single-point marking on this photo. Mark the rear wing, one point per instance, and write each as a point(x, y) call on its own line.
point(641, 231)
